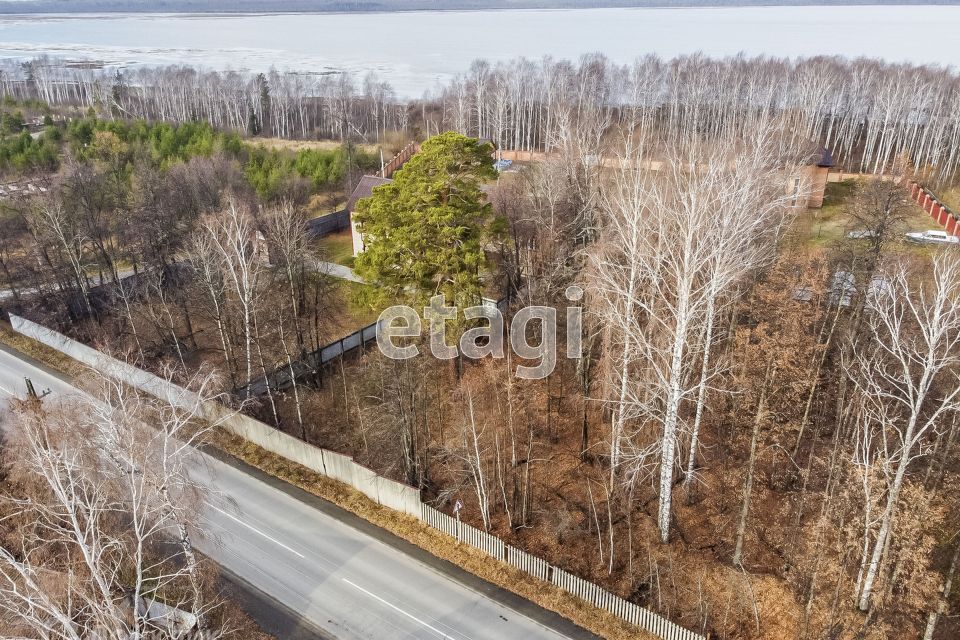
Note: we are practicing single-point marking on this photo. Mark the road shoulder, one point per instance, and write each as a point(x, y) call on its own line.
point(517, 603)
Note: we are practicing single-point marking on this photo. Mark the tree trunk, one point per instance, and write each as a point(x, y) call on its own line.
point(880, 545)
point(814, 381)
point(671, 419)
point(944, 597)
point(701, 396)
point(751, 466)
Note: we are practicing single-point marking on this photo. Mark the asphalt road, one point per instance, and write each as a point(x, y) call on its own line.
point(26, 292)
point(335, 575)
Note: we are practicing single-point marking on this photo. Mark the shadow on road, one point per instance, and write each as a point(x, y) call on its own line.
point(272, 616)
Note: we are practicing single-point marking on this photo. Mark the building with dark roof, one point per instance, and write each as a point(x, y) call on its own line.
point(809, 183)
point(364, 189)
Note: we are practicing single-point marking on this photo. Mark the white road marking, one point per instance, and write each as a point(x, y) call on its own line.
point(255, 530)
point(398, 609)
point(310, 601)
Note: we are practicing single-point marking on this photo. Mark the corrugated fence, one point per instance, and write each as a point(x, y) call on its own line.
point(330, 223)
point(281, 377)
point(389, 493)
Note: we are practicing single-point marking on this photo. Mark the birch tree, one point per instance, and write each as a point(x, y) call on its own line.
point(675, 236)
point(51, 219)
point(233, 237)
point(102, 496)
point(906, 373)
point(750, 212)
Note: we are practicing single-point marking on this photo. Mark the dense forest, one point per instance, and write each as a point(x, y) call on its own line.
point(758, 437)
point(269, 171)
point(867, 112)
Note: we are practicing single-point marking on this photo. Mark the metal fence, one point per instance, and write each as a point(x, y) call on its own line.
point(384, 491)
point(325, 225)
point(281, 377)
point(489, 544)
point(345, 344)
point(537, 567)
point(439, 520)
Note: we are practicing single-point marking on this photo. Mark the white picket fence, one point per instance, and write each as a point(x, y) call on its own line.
point(384, 491)
point(537, 567)
point(439, 520)
point(463, 532)
point(541, 569)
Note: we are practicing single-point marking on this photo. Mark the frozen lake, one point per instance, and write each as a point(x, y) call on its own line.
point(414, 51)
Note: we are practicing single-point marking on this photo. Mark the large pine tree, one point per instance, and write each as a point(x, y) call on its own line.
point(425, 232)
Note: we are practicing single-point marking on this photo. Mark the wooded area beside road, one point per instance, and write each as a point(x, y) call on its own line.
point(758, 438)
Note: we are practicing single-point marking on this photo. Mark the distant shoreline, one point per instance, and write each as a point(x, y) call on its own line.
point(65, 8)
point(357, 44)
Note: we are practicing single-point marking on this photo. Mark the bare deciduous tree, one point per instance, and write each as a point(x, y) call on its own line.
point(906, 373)
point(102, 495)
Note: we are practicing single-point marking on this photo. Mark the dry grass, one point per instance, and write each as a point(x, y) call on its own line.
point(346, 314)
point(298, 145)
point(337, 247)
point(410, 529)
point(324, 203)
point(950, 197)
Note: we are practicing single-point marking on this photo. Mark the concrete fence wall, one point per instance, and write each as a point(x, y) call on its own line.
point(517, 155)
point(389, 493)
point(840, 176)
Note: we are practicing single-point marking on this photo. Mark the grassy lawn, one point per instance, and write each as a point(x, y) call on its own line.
point(825, 227)
point(337, 247)
point(346, 312)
